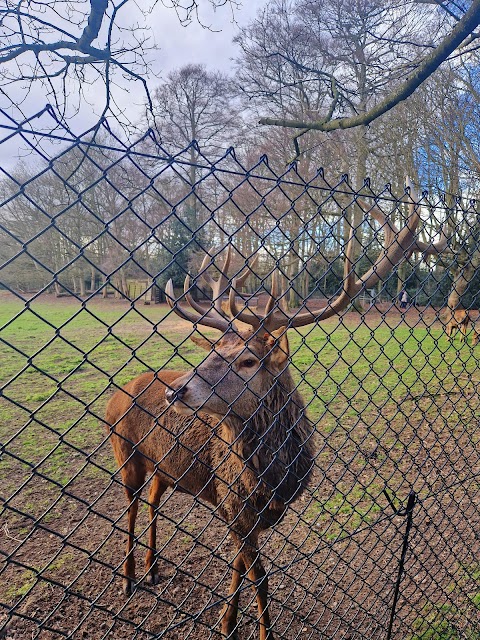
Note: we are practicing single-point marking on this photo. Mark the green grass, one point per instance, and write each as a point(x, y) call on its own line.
point(28, 578)
point(449, 621)
point(345, 509)
point(25, 581)
point(384, 401)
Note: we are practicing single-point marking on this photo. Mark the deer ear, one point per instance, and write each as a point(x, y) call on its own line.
point(277, 343)
point(201, 341)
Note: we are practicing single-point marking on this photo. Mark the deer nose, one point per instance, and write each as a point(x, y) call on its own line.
point(175, 394)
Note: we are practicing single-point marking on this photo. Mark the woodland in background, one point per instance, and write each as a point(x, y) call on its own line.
point(297, 60)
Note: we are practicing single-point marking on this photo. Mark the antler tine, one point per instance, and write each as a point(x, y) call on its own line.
point(391, 231)
point(243, 314)
point(214, 316)
point(219, 287)
point(427, 248)
point(377, 214)
point(212, 311)
point(272, 298)
point(274, 314)
point(203, 318)
point(269, 321)
point(240, 279)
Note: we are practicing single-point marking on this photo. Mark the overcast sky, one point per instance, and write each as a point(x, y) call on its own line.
point(177, 46)
point(213, 46)
point(180, 45)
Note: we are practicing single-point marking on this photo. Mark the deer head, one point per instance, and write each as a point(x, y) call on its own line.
point(239, 368)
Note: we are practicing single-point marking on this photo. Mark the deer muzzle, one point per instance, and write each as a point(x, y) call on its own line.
point(176, 396)
point(172, 395)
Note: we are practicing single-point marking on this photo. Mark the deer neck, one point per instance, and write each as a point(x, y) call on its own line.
point(276, 441)
point(279, 394)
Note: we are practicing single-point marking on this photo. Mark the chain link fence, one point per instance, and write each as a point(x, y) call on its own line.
point(343, 465)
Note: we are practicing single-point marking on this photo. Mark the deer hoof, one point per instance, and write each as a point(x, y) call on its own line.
point(152, 579)
point(128, 585)
point(229, 635)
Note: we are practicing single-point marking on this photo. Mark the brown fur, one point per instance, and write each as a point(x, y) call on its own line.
point(457, 320)
point(249, 455)
point(474, 315)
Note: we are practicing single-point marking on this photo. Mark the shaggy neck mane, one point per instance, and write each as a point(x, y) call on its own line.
point(277, 441)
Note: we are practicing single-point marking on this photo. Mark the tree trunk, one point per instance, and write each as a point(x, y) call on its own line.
point(82, 284)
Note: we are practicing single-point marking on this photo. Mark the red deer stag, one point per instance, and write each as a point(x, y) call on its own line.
point(476, 336)
point(233, 431)
point(457, 320)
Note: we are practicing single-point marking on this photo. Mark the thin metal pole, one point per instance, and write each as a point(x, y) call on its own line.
point(409, 513)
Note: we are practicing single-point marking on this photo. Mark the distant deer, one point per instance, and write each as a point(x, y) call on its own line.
point(475, 323)
point(233, 431)
point(457, 320)
point(475, 336)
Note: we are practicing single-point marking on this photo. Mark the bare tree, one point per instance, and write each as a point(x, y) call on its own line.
point(307, 61)
point(56, 43)
point(86, 218)
point(196, 104)
point(195, 112)
point(447, 143)
point(411, 71)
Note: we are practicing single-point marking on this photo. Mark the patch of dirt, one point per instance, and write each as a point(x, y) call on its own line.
point(327, 579)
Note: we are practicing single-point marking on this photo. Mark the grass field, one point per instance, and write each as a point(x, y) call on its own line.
point(394, 403)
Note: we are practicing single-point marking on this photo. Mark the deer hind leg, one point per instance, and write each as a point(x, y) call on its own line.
point(133, 475)
point(157, 489)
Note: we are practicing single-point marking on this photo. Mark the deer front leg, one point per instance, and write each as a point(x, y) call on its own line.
point(157, 489)
point(257, 575)
point(230, 611)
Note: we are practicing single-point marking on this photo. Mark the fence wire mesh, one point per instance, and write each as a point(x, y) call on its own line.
point(363, 515)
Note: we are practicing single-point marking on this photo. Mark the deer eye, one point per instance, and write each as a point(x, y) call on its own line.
point(249, 362)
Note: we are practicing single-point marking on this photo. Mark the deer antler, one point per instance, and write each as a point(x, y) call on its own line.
point(391, 230)
point(212, 316)
point(399, 244)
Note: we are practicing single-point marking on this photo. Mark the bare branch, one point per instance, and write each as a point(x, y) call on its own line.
point(430, 64)
point(95, 19)
point(47, 42)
